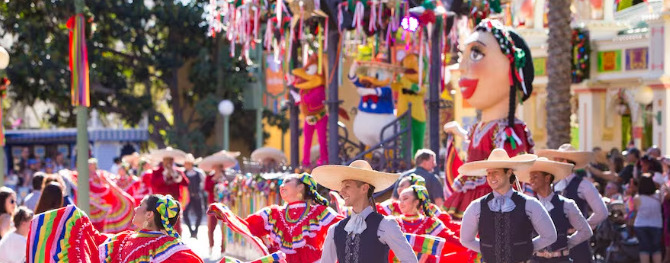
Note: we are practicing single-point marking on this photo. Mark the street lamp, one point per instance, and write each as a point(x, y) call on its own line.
point(4, 62)
point(226, 108)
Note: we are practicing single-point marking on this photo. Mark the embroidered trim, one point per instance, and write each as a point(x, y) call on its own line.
point(315, 219)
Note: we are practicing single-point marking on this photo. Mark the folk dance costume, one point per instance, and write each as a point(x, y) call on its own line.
point(505, 223)
point(572, 228)
point(366, 236)
point(585, 195)
point(428, 224)
point(67, 235)
point(485, 92)
point(111, 207)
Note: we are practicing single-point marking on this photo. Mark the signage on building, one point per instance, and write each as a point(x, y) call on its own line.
point(540, 65)
point(609, 61)
point(275, 90)
point(637, 58)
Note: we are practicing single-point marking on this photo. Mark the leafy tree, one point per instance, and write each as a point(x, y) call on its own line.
point(136, 50)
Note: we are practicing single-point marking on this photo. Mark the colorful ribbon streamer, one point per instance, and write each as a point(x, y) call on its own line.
point(79, 61)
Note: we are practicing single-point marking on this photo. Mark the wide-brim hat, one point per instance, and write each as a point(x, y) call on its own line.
point(178, 155)
point(558, 169)
point(331, 176)
point(131, 158)
point(566, 151)
point(498, 159)
point(228, 153)
point(264, 153)
point(208, 163)
point(191, 159)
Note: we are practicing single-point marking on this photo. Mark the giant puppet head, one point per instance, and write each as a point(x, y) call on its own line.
point(496, 69)
point(308, 76)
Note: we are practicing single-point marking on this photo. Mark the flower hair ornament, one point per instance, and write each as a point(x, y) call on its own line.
point(416, 180)
point(521, 73)
point(308, 180)
point(422, 194)
point(167, 208)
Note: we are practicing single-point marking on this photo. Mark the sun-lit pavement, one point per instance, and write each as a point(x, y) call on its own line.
point(200, 245)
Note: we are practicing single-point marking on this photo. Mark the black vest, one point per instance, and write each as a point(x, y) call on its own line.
point(505, 237)
point(364, 247)
point(561, 222)
point(570, 192)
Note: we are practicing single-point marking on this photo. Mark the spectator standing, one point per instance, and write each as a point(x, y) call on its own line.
point(31, 200)
point(425, 162)
point(648, 222)
point(59, 164)
point(13, 246)
point(115, 167)
point(52, 198)
point(7, 209)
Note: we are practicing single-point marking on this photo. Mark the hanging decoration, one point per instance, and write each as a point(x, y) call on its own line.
point(580, 55)
point(79, 61)
point(4, 84)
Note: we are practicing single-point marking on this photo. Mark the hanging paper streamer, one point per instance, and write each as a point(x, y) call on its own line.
point(79, 61)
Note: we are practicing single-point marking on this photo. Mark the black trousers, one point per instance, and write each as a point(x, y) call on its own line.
point(194, 204)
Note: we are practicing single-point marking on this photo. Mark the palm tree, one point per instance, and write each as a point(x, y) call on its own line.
point(558, 72)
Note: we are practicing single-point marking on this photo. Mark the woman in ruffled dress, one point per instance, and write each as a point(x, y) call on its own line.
point(299, 227)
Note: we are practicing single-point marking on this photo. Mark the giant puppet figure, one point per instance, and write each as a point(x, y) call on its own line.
point(311, 100)
point(496, 74)
point(411, 90)
point(375, 109)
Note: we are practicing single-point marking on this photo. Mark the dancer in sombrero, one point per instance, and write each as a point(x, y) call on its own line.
point(66, 235)
point(215, 166)
point(299, 227)
point(505, 226)
point(496, 74)
point(365, 236)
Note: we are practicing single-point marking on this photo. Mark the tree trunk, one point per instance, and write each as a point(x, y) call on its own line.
point(558, 72)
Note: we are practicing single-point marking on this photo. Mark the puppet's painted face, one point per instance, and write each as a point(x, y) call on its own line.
point(484, 71)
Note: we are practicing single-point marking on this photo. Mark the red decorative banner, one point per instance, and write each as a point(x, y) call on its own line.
point(79, 61)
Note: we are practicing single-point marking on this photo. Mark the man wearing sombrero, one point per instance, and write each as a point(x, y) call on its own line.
point(583, 192)
point(563, 211)
point(365, 236)
point(196, 178)
point(166, 179)
point(506, 220)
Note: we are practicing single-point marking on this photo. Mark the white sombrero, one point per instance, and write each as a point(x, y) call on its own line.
point(566, 151)
point(169, 152)
point(558, 169)
point(498, 160)
point(264, 153)
point(228, 153)
point(331, 176)
point(209, 162)
point(131, 158)
point(191, 159)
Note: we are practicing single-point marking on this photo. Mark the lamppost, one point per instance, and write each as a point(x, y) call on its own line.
point(4, 62)
point(226, 108)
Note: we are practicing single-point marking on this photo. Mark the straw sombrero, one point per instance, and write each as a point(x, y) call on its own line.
point(209, 162)
point(331, 176)
point(228, 153)
point(131, 158)
point(498, 160)
point(558, 169)
point(169, 152)
point(566, 151)
point(191, 159)
point(264, 153)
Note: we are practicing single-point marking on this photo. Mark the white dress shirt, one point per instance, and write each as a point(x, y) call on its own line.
point(582, 229)
point(588, 192)
point(539, 218)
point(389, 233)
point(13, 248)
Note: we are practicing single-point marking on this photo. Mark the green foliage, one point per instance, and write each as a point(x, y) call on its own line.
point(135, 51)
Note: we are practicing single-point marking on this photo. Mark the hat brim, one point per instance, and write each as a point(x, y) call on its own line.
point(331, 177)
point(581, 159)
point(557, 169)
point(209, 162)
point(261, 154)
point(178, 155)
point(478, 168)
point(195, 161)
